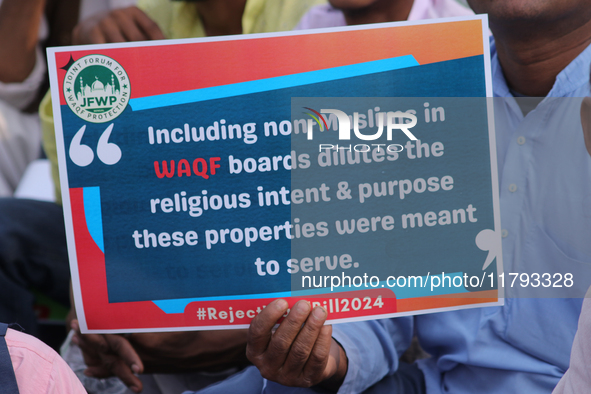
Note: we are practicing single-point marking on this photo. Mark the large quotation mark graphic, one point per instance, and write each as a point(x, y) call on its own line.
point(107, 152)
point(488, 240)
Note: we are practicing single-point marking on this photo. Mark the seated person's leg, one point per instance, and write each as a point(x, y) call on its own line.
point(248, 381)
point(33, 255)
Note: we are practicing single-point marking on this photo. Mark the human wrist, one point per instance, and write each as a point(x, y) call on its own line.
point(334, 382)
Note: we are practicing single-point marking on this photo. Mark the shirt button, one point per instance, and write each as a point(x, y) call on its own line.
point(512, 188)
point(521, 140)
point(504, 233)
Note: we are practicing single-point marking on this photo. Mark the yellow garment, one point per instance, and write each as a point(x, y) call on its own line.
point(179, 19)
point(49, 145)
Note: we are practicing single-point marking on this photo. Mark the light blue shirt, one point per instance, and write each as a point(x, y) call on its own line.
point(523, 346)
point(545, 194)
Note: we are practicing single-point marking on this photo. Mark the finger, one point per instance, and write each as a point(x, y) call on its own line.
point(71, 316)
point(124, 351)
point(91, 357)
point(96, 37)
point(98, 371)
point(111, 366)
point(149, 27)
point(80, 34)
point(92, 343)
point(87, 32)
point(123, 372)
point(117, 357)
point(128, 26)
point(306, 341)
point(111, 30)
point(283, 339)
point(320, 365)
point(74, 325)
point(259, 332)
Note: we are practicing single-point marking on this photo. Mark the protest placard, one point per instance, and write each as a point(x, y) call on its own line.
point(353, 167)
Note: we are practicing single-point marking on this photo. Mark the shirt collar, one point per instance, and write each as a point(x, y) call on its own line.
point(569, 80)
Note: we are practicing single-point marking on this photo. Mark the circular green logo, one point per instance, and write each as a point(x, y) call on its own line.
point(96, 88)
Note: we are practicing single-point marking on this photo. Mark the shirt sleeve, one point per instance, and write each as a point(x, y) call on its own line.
point(63, 380)
point(373, 349)
point(20, 144)
point(38, 368)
